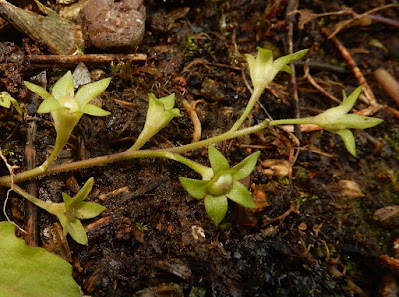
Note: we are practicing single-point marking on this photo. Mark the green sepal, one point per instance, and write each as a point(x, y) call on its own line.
point(38, 90)
point(218, 161)
point(6, 100)
point(75, 228)
point(349, 141)
point(64, 86)
point(195, 188)
point(246, 166)
point(216, 207)
point(84, 191)
point(92, 90)
point(88, 210)
point(50, 104)
point(287, 69)
point(357, 121)
point(349, 102)
point(280, 62)
point(240, 194)
point(95, 110)
point(67, 200)
point(168, 101)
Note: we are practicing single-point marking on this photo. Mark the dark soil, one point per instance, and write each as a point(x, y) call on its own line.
point(311, 235)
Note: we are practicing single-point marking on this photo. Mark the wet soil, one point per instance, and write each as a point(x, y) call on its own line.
point(314, 232)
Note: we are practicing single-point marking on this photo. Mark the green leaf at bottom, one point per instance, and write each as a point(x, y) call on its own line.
point(31, 271)
point(216, 207)
point(349, 141)
point(241, 195)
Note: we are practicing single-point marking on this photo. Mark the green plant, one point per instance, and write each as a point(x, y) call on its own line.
point(219, 183)
point(71, 211)
point(223, 184)
point(31, 271)
point(66, 108)
point(337, 120)
point(6, 100)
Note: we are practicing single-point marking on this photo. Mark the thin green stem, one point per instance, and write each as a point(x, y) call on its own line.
point(307, 120)
point(40, 203)
point(36, 172)
point(206, 172)
point(254, 98)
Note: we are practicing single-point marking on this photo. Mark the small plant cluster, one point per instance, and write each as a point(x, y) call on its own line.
point(219, 182)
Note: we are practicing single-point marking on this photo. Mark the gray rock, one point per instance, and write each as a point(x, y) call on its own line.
point(112, 24)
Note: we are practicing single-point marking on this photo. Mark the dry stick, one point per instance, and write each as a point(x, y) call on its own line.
point(31, 214)
point(374, 106)
point(388, 83)
point(68, 60)
point(194, 118)
point(359, 16)
point(292, 6)
point(317, 86)
point(11, 169)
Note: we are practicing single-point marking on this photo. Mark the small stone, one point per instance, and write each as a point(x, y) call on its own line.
point(112, 24)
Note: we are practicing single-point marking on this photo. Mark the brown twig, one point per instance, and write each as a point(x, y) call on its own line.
point(194, 118)
point(31, 214)
point(292, 6)
point(317, 86)
point(358, 17)
point(388, 83)
point(374, 106)
point(70, 60)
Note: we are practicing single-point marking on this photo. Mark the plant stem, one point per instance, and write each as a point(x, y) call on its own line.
point(254, 98)
point(40, 203)
point(36, 172)
point(60, 142)
point(307, 120)
point(206, 172)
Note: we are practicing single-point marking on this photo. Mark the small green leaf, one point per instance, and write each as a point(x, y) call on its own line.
point(241, 195)
point(38, 90)
point(349, 141)
point(88, 210)
point(95, 111)
point(50, 104)
point(196, 188)
point(64, 86)
point(246, 166)
point(90, 91)
point(216, 207)
point(218, 161)
point(31, 271)
point(5, 100)
point(16, 105)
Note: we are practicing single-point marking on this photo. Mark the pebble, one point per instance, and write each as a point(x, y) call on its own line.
point(113, 25)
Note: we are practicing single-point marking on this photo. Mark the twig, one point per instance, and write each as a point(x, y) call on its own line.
point(11, 169)
point(194, 118)
point(317, 86)
point(292, 6)
point(388, 83)
point(32, 234)
point(374, 106)
point(69, 60)
point(359, 16)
